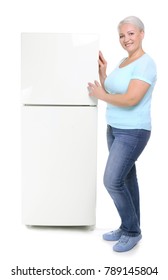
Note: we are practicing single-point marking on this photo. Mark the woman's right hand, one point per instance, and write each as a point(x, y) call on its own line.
point(102, 66)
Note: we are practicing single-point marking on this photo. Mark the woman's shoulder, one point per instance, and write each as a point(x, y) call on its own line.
point(147, 58)
point(145, 62)
point(145, 68)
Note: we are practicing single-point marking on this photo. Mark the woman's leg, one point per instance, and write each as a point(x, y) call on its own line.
point(131, 183)
point(126, 146)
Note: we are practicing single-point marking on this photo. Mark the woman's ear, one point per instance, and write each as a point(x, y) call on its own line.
point(142, 34)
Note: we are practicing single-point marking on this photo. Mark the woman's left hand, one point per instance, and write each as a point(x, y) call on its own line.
point(96, 90)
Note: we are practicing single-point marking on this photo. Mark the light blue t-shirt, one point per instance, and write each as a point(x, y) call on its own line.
point(138, 116)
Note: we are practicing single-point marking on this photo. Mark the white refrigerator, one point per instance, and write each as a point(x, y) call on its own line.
point(59, 129)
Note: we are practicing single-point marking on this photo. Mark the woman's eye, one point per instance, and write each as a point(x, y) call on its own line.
point(121, 36)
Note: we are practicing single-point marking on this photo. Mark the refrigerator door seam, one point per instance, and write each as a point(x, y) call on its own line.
point(56, 105)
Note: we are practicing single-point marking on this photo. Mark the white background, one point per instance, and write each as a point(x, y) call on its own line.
point(47, 247)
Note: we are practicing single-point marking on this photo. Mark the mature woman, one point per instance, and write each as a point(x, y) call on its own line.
point(127, 91)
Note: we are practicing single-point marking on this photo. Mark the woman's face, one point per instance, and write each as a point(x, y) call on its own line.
point(130, 37)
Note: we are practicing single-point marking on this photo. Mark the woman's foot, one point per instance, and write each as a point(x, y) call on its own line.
point(126, 243)
point(112, 235)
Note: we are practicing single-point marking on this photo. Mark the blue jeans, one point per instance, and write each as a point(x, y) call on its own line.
point(120, 179)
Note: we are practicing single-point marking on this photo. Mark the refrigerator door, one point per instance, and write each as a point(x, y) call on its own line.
point(56, 68)
point(59, 165)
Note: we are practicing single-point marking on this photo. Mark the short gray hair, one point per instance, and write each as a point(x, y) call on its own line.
point(134, 21)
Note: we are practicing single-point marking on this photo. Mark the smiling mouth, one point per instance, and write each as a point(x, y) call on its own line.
point(128, 45)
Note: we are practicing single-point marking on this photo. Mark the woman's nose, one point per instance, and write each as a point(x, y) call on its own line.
point(126, 39)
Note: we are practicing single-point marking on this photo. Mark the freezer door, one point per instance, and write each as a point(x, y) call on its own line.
point(56, 68)
point(59, 165)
